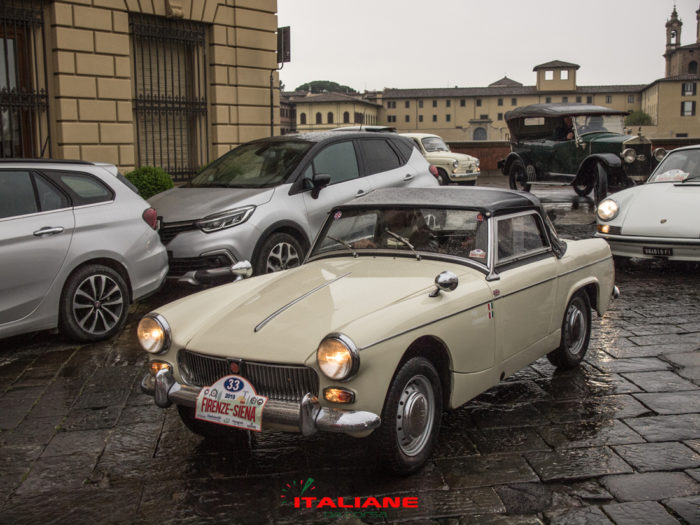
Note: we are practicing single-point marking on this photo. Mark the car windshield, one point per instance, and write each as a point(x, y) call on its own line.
point(254, 165)
point(678, 166)
point(434, 144)
point(599, 123)
point(454, 232)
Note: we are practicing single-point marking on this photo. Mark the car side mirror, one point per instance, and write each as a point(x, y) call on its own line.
point(446, 282)
point(319, 182)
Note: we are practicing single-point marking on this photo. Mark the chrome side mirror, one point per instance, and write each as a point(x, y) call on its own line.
point(445, 281)
point(242, 270)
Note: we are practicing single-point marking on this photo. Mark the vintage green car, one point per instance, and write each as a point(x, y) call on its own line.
point(410, 301)
point(577, 144)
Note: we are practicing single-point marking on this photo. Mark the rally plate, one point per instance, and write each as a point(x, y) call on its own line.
point(231, 401)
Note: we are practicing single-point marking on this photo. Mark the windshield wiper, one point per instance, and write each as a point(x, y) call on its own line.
point(347, 245)
point(690, 177)
point(211, 185)
point(405, 241)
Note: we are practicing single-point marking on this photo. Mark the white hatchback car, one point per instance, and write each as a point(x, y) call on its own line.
point(78, 244)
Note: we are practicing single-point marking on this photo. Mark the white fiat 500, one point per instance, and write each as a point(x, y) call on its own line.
point(660, 218)
point(410, 302)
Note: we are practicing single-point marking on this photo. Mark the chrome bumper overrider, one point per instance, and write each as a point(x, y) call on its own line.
point(307, 416)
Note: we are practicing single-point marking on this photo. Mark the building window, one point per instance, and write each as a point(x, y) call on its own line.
point(302, 118)
point(500, 116)
point(513, 101)
point(630, 99)
point(346, 117)
point(319, 118)
point(434, 103)
point(549, 74)
point(483, 117)
point(589, 100)
point(407, 118)
point(420, 118)
point(462, 102)
point(434, 118)
point(693, 68)
point(608, 99)
point(564, 74)
point(170, 81)
point(448, 117)
point(548, 100)
point(407, 104)
point(360, 118)
point(448, 103)
point(480, 134)
point(689, 89)
point(24, 126)
point(564, 99)
point(578, 99)
point(500, 101)
point(688, 108)
point(391, 104)
point(330, 117)
point(389, 118)
point(420, 103)
point(681, 135)
point(478, 102)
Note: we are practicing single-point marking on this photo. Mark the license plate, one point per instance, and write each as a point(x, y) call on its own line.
point(231, 401)
point(665, 252)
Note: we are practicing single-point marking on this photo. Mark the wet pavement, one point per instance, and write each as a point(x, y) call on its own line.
point(615, 441)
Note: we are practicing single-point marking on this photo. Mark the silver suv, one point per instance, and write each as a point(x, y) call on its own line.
point(266, 200)
point(77, 245)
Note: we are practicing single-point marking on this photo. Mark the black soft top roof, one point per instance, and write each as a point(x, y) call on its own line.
point(491, 201)
point(560, 110)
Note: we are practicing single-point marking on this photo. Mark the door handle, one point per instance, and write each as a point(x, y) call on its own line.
point(408, 177)
point(48, 230)
point(360, 193)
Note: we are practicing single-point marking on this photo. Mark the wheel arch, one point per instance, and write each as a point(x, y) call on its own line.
point(435, 351)
point(512, 157)
point(288, 227)
point(592, 290)
point(109, 263)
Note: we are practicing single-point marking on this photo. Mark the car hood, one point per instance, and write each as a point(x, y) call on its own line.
point(449, 155)
point(660, 210)
point(188, 204)
point(282, 317)
point(605, 138)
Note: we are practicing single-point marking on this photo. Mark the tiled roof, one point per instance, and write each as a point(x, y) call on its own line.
point(505, 91)
point(505, 82)
point(555, 63)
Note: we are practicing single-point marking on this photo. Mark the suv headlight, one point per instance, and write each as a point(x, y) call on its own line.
point(338, 357)
point(608, 210)
point(226, 219)
point(153, 333)
point(629, 155)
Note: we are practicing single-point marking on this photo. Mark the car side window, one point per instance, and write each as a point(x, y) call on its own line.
point(337, 160)
point(50, 198)
point(519, 236)
point(17, 195)
point(378, 156)
point(83, 188)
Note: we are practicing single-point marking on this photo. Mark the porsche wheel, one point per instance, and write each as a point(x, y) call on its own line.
point(518, 176)
point(575, 333)
point(411, 417)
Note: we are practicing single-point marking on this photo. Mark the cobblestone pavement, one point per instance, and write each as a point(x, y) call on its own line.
point(615, 441)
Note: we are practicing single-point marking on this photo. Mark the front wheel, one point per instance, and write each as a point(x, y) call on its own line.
point(279, 252)
point(94, 304)
point(575, 333)
point(584, 189)
point(411, 417)
point(443, 179)
point(518, 176)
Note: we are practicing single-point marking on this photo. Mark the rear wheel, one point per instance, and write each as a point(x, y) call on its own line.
point(575, 333)
point(518, 176)
point(411, 417)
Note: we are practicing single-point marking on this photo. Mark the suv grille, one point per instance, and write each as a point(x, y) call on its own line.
point(281, 382)
point(168, 232)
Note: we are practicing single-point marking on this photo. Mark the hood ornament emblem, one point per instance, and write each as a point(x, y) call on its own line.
point(663, 221)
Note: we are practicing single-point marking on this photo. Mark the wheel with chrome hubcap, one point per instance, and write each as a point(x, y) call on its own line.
point(411, 417)
point(575, 333)
point(94, 303)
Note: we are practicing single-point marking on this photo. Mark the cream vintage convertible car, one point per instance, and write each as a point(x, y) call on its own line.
point(409, 302)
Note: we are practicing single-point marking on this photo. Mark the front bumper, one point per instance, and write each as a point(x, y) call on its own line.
point(681, 249)
point(306, 417)
point(465, 176)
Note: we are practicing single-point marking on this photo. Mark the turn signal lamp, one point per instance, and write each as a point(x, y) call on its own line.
point(156, 366)
point(338, 395)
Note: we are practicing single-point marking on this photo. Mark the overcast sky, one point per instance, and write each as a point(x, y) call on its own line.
point(373, 44)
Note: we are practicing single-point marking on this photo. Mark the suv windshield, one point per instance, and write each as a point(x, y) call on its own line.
point(454, 232)
point(599, 123)
point(434, 144)
point(679, 166)
point(254, 165)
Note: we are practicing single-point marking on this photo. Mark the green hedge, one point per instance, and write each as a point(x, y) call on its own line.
point(150, 180)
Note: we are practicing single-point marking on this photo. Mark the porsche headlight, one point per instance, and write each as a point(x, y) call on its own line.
point(226, 219)
point(608, 210)
point(153, 333)
point(629, 155)
point(338, 357)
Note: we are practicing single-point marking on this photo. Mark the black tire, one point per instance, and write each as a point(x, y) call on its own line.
point(587, 187)
point(575, 333)
point(280, 251)
point(416, 388)
point(94, 304)
point(468, 183)
point(443, 179)
point(517, 176)
point(212, 431)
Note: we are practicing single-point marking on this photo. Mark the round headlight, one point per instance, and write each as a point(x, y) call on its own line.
point(607, 210)
point(338, 357)
point(629, 155)
point(455, 164)
point(153, 333)
point(659, 154)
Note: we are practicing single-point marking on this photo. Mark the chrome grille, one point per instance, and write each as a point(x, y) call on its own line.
point(282, 382)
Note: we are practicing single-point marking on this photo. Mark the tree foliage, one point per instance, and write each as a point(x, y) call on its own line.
point(638, 118)
point(323, 86)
